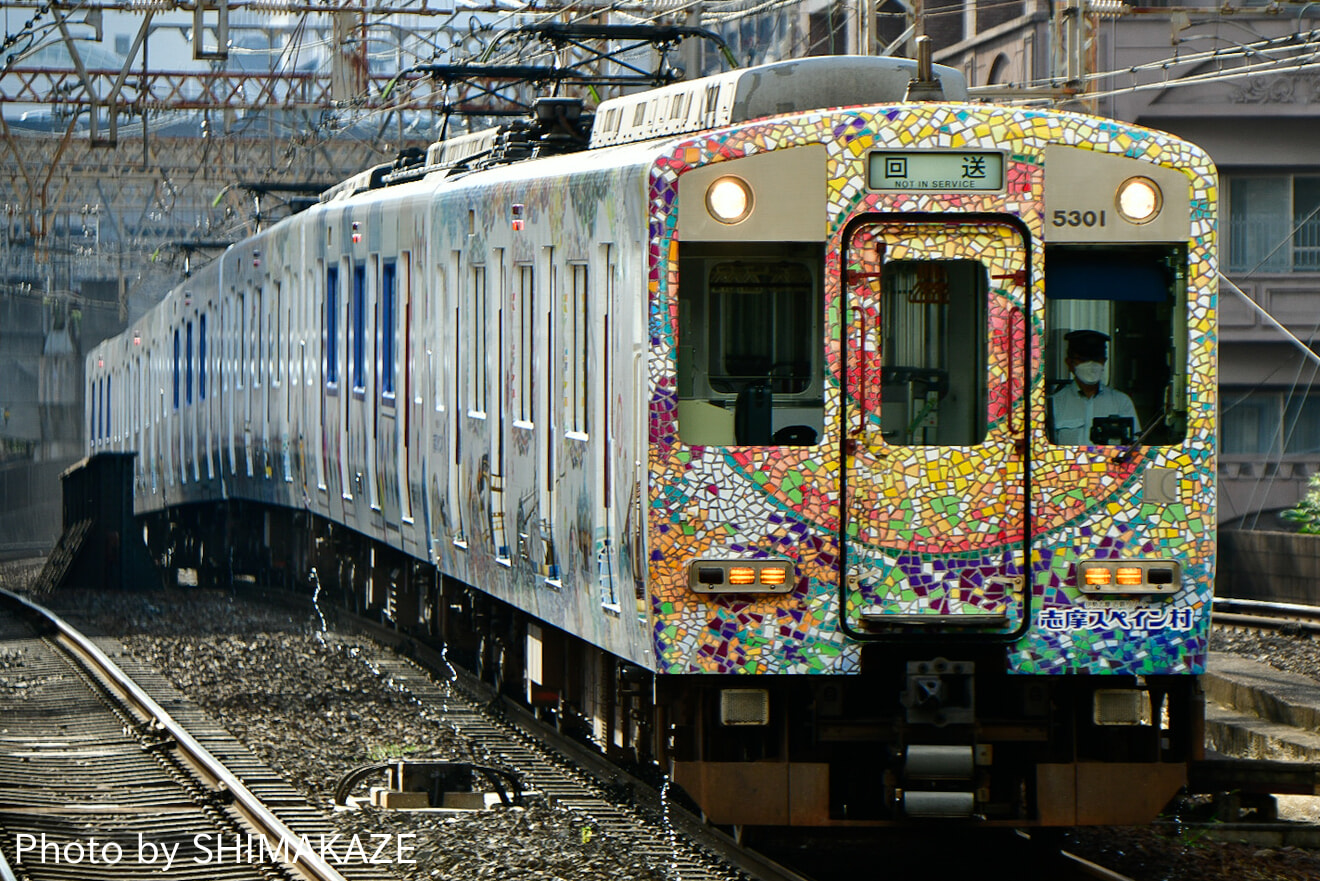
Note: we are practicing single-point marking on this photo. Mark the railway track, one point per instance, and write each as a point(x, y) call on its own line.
point(99, 780)
point(204, 797)
point(576, 777)
point(569, 774)
point(628, 811)
point(1262, 615)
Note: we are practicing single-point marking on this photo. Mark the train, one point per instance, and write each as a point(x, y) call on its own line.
point(723, 425)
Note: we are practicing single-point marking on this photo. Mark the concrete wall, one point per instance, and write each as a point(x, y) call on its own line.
point(30, 507)
point(1274, 566)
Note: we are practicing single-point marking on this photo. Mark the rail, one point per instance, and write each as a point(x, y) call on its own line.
point(1266, 615)
point(310, 864)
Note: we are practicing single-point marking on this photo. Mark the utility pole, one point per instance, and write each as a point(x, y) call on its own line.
point(866, 31)
point(917, 18)
point(693, 57)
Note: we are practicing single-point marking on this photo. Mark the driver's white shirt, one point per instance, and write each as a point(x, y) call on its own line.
point(1074, 412)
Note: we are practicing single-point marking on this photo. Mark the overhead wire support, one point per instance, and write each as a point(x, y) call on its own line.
point(495, 81)
point(662, 37)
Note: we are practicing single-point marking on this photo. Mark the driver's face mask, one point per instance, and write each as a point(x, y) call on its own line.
point(1089, 372)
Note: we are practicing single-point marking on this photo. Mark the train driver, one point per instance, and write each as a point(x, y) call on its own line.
point(1086, 411)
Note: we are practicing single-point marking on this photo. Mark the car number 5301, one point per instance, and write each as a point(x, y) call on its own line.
point(1078, 218)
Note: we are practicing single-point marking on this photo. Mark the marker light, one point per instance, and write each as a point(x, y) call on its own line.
point(774, 575)
point(729, 199)
point(1096, 576)
point(1129, 575)
point(742, 575)
point(1139, 199)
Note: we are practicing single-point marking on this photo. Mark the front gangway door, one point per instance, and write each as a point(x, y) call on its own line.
point(934, 496)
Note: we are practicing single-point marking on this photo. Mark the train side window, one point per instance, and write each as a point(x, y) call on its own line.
point(201, 357)
point(332, 326)
point(242, 347)
point(388, 365)
point(188, 367)
point(176, 368)
point(438, 361)
point(526, 341)
point(276, 344)
point(1134, 299)
point(751, 345)
point(577, 349)
point(358, 366)
point(225, 335)
point(260, 326)
point(479, 321)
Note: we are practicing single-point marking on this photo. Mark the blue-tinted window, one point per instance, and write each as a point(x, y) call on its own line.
point(332, 325)
point(176, 368)
point(107, 406)
point(358, 365)
point(387, 365)
point(188, 367)
point(1273, 223)
point(201, 359)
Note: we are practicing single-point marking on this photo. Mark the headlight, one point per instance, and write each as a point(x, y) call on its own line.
point(1139, 199)
point(729, 199)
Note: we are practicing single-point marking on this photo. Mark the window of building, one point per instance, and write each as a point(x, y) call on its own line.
point(1268, 423)
point(1301, 426)
point(1273, 223)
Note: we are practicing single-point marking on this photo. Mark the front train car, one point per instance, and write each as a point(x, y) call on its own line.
point(910, 556)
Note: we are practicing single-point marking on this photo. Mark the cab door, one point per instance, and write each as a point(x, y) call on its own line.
point(933, 526)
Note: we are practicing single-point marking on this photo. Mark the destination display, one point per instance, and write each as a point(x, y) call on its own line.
point(936, 171)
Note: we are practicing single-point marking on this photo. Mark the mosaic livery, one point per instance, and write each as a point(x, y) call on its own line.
point(738, 436)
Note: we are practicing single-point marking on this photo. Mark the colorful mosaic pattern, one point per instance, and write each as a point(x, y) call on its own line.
point(943, 532)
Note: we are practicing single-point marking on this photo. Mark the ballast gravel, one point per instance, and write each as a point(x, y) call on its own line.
point(315, 710)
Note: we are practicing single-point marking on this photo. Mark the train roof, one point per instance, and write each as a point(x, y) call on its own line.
point(775, 89)
point(560, 125)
